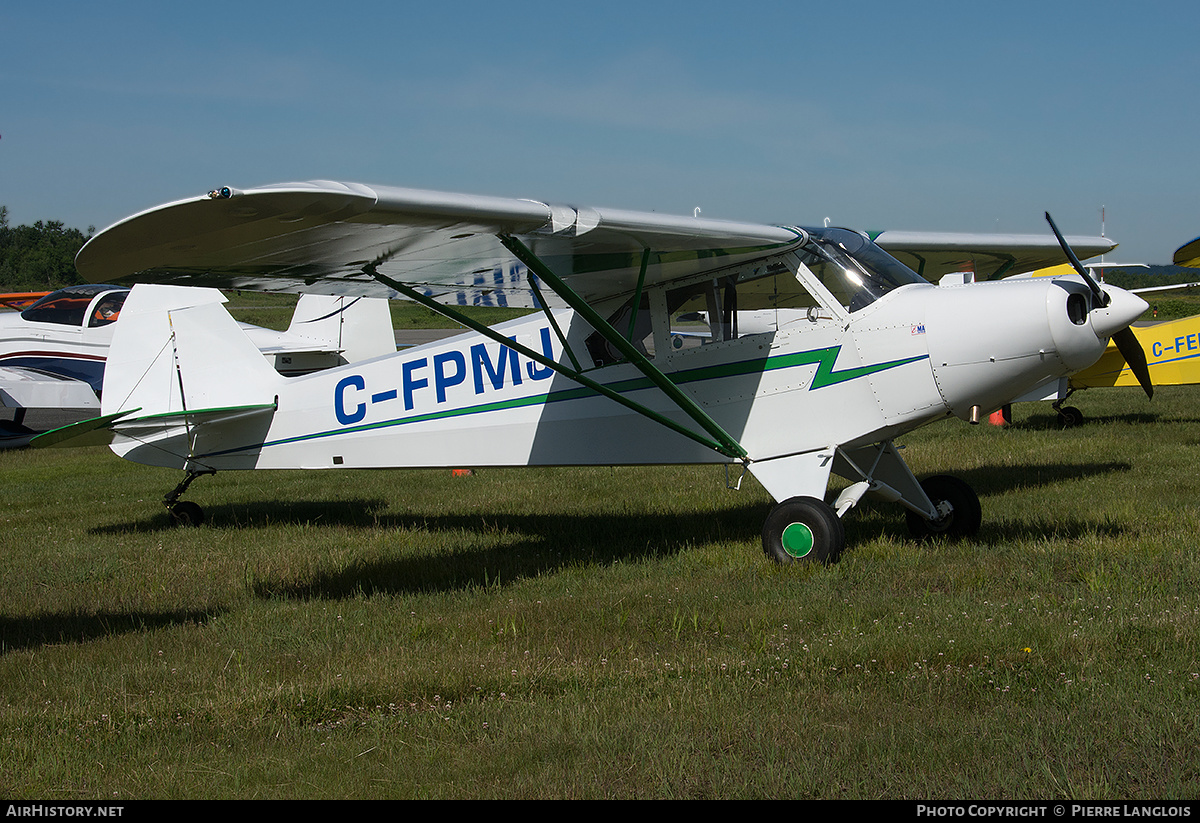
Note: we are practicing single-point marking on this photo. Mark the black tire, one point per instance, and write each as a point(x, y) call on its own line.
point(1069, 417)
point(186, 513)
point(803, 530)
point(963, 521)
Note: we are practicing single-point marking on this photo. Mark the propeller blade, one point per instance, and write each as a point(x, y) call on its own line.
point(1135, 356)
point(1101, 297)
point(1127, 342)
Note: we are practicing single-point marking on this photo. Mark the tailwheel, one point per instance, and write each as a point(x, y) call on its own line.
point(186, 513)
point(961, 514)
point(803, 530)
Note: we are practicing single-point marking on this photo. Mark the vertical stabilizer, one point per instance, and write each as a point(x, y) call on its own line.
point(177, 349)
point(359, 327)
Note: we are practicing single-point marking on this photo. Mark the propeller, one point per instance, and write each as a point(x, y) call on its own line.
point(1125, 340)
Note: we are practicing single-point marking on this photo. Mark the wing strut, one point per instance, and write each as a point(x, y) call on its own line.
point(729, 448)
point(562, 338)
point(637, 295)
point(727, 444)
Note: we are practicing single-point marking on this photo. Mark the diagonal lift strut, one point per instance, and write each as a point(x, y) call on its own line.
point(713, 435)
point(729, 446)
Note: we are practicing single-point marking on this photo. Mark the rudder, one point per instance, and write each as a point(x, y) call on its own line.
point(175, 349)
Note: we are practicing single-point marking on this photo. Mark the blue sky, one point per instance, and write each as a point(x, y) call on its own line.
point(939, 116)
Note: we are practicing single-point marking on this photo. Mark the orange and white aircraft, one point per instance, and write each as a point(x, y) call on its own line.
point(53, 352)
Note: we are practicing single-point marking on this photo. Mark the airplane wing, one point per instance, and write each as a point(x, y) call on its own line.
point(28, 388)
point(988, 256)
point(21, 299)
point(1188, 254)
point(333, 238)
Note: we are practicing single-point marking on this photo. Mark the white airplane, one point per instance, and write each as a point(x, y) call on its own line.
point(53, 353)
point(592, 378)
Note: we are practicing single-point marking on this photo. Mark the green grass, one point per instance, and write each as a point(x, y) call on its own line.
point(609, 633)
point(1171, 307)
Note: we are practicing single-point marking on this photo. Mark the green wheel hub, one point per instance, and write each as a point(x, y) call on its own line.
point(803, 530)
point(798, 540)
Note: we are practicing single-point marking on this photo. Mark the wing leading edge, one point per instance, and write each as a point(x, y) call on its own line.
point(326, 237)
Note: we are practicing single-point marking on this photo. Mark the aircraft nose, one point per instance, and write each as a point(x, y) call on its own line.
point(1122, 309)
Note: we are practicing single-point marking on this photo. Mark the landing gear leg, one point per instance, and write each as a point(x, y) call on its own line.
point(959, 512)
point(1068, 416)
point(185, 512)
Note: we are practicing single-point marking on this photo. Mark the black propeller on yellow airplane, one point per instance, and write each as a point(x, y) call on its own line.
point(1126, 340)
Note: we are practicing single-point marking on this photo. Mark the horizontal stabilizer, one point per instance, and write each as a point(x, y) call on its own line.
point(195, 418)
point(101, 431)
point(94, 432)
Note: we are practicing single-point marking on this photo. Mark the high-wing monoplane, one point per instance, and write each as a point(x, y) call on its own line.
point(593, 378)
point(53, 352)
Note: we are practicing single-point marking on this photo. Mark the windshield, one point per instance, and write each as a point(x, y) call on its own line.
point(853, 268)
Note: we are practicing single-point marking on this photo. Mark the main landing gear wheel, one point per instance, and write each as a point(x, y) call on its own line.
point(1069, 417)
point(186, 513)
point(803, 530)
point(965, 514)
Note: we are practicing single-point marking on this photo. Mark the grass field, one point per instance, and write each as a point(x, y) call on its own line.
point(609, 633)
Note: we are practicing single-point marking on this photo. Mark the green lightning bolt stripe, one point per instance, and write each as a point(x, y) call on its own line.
point(823, 359)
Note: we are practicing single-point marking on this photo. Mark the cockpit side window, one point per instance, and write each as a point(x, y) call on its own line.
point(107, 309)
point(634, 324)
point(794, 290)
point(761, 299)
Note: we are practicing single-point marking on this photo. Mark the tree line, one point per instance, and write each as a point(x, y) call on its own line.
point(40, 257)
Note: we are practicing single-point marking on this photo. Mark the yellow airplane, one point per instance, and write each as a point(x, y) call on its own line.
point(1172, 356)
